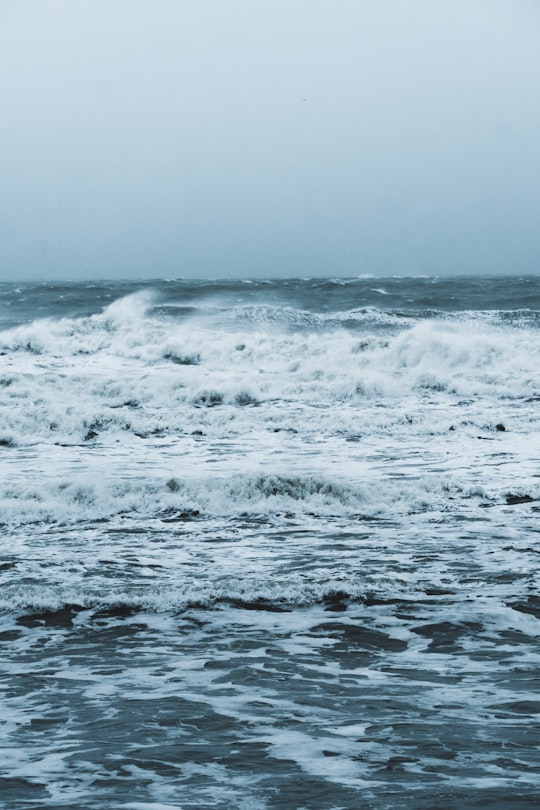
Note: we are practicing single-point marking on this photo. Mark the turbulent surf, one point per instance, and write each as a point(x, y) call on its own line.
point(270, 544)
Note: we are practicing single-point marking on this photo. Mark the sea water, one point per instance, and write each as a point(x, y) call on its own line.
point(270, 544)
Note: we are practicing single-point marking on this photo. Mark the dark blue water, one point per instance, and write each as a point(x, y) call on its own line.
point(19, 302)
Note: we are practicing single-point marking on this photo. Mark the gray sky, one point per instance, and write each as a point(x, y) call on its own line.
point(164, 138)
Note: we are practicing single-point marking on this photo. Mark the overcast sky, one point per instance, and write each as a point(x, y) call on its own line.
point(249, 138)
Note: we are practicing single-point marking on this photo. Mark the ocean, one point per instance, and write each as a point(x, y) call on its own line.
point(270, 545)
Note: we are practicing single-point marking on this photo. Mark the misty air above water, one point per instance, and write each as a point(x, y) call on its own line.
point(227, 138)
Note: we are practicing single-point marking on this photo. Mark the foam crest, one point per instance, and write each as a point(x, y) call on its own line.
point(129, 309)
point(468, 357)
point(126, 372)
point(118, 326)
point(238, 591)
point(96, 496)
point(302, 360)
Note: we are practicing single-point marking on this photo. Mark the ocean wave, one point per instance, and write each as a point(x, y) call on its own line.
point(91, 498)
point(96, 497)
point(246, 594)
point(63, 601)
point(81, 380)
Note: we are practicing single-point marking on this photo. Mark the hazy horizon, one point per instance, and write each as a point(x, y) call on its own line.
point(226, 139)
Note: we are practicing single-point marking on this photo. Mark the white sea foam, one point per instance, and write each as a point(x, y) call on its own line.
point(259, 421)
point(61, 379)
point(96, 495)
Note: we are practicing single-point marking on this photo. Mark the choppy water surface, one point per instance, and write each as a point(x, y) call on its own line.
point(270, 545)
